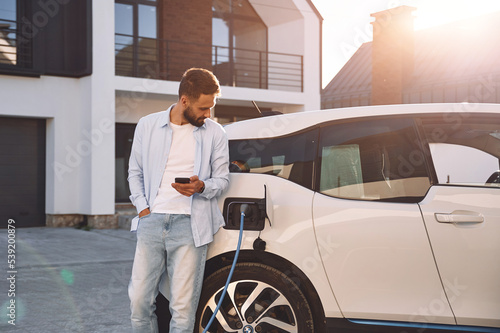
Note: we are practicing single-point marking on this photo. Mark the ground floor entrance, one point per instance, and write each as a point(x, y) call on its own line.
point(22, 171)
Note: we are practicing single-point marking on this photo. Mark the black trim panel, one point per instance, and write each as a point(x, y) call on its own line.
point(343, 325)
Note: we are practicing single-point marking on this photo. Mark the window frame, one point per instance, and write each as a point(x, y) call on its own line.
point(231, 17)
point(60, 46)
point(135, 30)
point(23, 10)
point(135, 14)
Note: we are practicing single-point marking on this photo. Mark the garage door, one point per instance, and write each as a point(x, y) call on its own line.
point(22, 171)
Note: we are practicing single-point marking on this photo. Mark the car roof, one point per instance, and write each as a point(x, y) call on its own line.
point(274, 126)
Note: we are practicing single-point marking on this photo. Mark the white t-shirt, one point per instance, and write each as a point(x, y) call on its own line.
point(180, 163)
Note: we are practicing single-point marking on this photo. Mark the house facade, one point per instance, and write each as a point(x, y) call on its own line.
point(77, 75)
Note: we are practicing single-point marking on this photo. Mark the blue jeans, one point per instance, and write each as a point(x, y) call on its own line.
point(165, 241)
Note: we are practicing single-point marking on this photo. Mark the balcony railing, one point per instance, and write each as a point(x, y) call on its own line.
point(15, 50)
point(167, 60)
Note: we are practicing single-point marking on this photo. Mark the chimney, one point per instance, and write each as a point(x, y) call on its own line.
point(392, 54)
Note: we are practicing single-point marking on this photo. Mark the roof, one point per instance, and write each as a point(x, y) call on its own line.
point(356, 75)
point(449, 54)
point(315, 10)
point(279, 125)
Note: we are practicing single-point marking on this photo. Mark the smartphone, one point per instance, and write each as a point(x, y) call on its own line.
point(182, 180)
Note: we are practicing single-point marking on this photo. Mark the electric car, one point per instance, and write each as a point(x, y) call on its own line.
point(366, 219)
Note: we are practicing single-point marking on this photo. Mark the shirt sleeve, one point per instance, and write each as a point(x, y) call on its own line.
point(135, 171)
point(219, 180)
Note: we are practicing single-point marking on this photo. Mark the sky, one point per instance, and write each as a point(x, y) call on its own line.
point(347, 25)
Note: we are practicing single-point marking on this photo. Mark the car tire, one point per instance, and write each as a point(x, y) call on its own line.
point(259, 299)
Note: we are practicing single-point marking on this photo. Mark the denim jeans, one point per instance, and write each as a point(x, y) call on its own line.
point(165, 241)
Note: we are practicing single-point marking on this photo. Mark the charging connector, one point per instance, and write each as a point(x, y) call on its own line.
point(245, 209)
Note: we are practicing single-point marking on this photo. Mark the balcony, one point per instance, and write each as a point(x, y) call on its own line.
point(236, 67)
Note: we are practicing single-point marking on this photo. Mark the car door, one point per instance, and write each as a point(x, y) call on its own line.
point(462, 212)
point(370, 178)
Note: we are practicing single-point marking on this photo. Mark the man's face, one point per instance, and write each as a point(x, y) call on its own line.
point(197, 111)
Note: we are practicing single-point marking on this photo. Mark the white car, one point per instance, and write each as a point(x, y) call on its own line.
point(367, 219)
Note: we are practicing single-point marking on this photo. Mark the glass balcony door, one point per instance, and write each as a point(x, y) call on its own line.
point(239, 39)
point(136, 46)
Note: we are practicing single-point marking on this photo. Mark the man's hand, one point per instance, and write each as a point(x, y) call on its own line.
point(193, 187)
point(144, 212)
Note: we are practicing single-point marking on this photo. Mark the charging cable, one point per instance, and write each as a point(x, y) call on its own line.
point(243, 208)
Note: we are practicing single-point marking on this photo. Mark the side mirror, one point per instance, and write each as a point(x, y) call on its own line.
point(238, 166)
point(494, 178)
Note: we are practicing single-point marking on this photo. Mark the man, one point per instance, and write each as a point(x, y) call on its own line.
point(176, 221)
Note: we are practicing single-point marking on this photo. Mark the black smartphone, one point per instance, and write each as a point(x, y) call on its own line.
point(182, 180)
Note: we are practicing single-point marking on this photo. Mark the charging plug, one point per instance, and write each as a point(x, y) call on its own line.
point(245, 209)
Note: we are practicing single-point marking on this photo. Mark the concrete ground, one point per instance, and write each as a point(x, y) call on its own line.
point(65, 280)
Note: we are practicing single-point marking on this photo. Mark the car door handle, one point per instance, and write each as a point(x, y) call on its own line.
point(459, 217)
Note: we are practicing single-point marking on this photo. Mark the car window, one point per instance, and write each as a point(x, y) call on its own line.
point(372, 160)
point(465, 148)
point(290, 157)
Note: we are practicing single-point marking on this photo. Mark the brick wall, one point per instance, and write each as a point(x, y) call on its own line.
point(187, 25)
point(392, 54)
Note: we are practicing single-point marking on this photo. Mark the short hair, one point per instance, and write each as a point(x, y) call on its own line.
point(197, 81)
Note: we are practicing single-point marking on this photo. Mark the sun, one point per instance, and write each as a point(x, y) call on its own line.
point(432, 13)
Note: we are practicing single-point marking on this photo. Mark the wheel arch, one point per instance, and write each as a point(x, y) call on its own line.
point(281, 264)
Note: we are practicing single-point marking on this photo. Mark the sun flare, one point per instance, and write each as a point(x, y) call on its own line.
point(431, 13)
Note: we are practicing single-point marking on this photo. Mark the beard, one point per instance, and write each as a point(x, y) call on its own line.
point(191, 117)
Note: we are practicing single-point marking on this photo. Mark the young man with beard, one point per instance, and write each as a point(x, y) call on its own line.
point(176, 221)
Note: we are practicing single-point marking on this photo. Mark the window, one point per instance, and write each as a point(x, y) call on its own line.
point(15, 48)
point(136, 46)
point(240, 44)
point(372, 160)
point(46, 38)
point(290, 157)
point(8, 28)
point(465, 148)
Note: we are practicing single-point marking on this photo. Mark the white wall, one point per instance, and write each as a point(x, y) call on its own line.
point(312, 63)
point(100, 166)
point(293, 27)
point(137, 97)
point(130, 106)
point(57, 100)
point(80, 117)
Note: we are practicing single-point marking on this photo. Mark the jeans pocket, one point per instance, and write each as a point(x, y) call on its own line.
point(141, 221)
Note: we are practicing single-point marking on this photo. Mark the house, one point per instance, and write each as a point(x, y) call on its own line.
point(76, 76)
point(456, 62)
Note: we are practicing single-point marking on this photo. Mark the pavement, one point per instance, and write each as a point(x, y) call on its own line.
point(65, 280)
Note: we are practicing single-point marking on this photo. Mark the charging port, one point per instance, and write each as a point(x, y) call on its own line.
point(255, 214)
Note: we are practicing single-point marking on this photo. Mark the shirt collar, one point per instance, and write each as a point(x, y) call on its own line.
point(165, 120)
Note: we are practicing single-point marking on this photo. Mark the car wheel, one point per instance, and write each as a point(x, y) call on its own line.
point(259, 299)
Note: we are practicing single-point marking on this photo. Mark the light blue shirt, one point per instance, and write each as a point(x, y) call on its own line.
point(148, 158)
